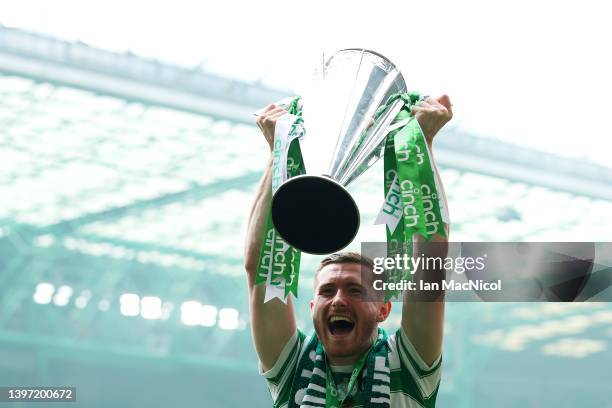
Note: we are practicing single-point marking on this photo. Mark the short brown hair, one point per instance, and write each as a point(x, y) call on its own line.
point(350, 257)
point(345, 257)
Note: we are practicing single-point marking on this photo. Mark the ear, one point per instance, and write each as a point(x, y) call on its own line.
point(383, 311)
point(311, 307)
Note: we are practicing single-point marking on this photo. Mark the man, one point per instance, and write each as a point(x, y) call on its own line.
point(349, 361)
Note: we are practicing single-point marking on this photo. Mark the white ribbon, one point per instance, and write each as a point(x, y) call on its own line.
point(392, 210)
point(441, 196)
point(281, 149)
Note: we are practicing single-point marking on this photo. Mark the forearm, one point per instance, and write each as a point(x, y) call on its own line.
point(257, 223)
point(272, 323)
point(442, 191)
point(423, 310)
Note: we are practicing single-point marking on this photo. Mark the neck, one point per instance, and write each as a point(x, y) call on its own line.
point(344, 360)
point(353, 358)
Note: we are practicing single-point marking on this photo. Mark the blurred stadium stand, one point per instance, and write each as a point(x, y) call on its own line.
point(125, 184)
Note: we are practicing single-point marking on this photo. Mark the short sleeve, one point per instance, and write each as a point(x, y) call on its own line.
point(416, 374)
point(414, 355)
point(279, 377)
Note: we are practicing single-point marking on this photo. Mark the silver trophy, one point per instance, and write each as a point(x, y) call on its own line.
point(314, 212)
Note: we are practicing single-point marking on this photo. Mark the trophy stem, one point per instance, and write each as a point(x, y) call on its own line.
point(315, 214)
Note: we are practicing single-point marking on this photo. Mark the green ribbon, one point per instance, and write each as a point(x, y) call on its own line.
point(279, 263)
point(409, 176)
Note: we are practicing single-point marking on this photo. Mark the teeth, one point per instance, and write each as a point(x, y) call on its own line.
point(345, 318)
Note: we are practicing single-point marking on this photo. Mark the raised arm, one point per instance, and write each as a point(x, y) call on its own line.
point(423, 313)
point(272, 323)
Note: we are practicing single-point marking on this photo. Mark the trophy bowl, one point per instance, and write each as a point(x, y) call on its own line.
point(345, 135)
point(328, 216)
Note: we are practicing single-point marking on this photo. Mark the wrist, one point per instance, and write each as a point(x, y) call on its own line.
point(429, 146)
point(428, 134)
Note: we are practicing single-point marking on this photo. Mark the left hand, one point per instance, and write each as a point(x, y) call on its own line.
point(432, 114)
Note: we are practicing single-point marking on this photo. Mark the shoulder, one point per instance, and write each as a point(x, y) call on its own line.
point(402, 349)
point(288, 355)
point(280, 377)
point(411, 377)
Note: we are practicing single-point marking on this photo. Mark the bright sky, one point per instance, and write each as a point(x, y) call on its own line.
point(531, 72)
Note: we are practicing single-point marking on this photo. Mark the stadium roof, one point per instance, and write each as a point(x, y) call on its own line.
point(109, 189)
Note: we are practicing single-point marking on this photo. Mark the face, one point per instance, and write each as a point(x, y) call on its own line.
point(345, 323)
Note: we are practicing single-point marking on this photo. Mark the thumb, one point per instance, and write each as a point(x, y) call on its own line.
point(445, 101)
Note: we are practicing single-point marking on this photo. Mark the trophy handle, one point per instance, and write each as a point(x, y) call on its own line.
point(315, 214)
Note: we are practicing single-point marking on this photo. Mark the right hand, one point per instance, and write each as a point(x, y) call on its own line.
point(266, 121)
point(432, 114)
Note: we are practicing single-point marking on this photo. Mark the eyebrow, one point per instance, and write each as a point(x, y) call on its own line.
point(325, 286)
point(333, 285)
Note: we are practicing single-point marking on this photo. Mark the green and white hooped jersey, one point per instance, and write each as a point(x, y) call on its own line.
point(413, 383)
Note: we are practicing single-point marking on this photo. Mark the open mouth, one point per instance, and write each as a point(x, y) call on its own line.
point(340, 324)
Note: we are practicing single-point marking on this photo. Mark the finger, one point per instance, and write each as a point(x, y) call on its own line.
point(424, 105)
point(261, 114)
point(434, 102)
point(264, 110)
point(441, 105)
point(416, 108)
point(272, 110)
point(445, 101)
point(278, 109)
point(268, 108)
point(274, 115)
point(270, 115)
